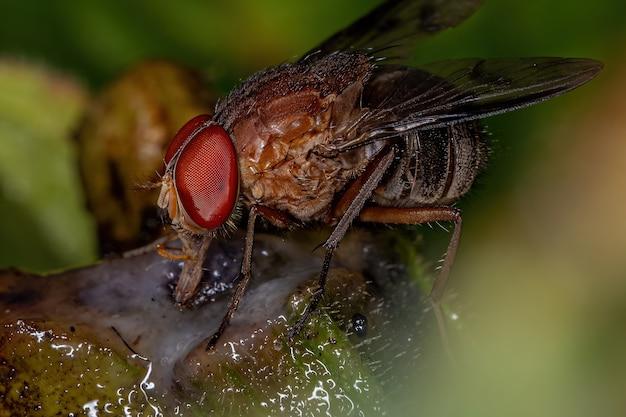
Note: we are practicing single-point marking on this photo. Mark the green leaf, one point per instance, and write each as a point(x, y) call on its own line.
point(42, 217)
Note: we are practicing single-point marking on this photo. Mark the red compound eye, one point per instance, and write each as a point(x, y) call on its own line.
point(182, 135)
point(206, 177)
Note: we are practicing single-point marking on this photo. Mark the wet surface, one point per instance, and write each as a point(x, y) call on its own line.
point(116, 326)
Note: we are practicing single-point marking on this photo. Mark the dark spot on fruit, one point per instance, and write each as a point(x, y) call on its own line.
point(359, 325)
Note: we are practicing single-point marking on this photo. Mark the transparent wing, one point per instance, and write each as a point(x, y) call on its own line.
point(399, 99)
point(397, 24)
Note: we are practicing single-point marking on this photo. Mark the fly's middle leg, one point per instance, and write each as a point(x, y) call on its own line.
point(357, 196)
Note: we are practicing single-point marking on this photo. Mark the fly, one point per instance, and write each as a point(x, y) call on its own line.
point(344, 135)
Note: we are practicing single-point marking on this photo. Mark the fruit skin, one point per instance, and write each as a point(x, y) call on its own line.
point(132, 294)
point(49, 369)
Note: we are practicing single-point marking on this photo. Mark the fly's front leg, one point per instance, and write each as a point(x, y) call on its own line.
point(245, 276)
point(392, 215)
point(350, 206)
point(192, 253)
point(171, 254)
point(159, 245)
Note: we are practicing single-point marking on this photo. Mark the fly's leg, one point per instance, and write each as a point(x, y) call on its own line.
point(243, 283)
point(316, 296)
point(278, 219)
point(357, 196)
point(171, 254)
point(392, 215)
point(153, 246)
point(193, 253)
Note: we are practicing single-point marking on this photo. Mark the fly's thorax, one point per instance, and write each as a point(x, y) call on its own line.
point(280, 117)
point(279, 165)
point(436, 167)
point(278, 158)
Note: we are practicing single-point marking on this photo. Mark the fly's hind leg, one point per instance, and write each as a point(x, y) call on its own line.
point(392, 215)
point(349, 207)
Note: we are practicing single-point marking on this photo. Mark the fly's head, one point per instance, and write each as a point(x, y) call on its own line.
point(200, 186)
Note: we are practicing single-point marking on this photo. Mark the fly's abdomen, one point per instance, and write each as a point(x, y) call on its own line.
point(436, 166)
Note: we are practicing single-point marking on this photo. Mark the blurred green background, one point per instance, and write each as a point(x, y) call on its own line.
point(540, 282)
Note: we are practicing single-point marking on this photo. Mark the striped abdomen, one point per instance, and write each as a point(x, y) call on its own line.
point(436, 167)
